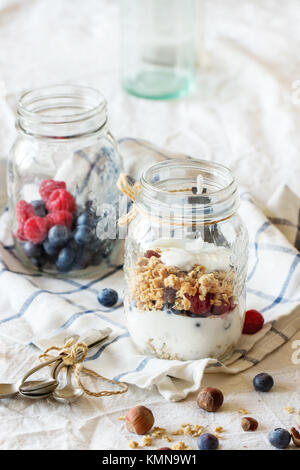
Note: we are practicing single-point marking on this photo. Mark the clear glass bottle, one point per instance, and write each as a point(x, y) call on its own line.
point(185, 262)
point(159, 41)
point(62, 177)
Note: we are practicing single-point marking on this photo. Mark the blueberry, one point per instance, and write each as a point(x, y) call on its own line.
point(58, 235)
point(50, 249)
point(38, 262)
point(167, 308)
point(108, 297)
point(83, 258)
point(39, 207)
point(279, 438)
point(86, 219)
point(65, 259)
point(263, 382)
point(207, 442)
point(32, 250)
point(83, 235)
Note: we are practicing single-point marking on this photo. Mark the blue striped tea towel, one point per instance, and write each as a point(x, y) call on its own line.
point(43, 311)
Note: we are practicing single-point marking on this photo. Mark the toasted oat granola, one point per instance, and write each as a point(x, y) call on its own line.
point(152, 282)
point(147, 441)
point(133, 444)
point(181, 446)
point(158, 432)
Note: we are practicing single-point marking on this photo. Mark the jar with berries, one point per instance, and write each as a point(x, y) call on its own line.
point(186, 261)
point(62, 176)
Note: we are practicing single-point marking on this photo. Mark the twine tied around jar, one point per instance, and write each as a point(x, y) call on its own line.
point(131, 192)
point(73, 354)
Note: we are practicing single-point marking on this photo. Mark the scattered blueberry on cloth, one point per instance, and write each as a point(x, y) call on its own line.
point(43, 311)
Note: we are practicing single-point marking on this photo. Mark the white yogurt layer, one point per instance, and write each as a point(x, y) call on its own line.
point(180, 337)
point(184, 254)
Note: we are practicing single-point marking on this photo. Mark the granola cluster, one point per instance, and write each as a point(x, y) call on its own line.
point(187, 430)
point(153, 285)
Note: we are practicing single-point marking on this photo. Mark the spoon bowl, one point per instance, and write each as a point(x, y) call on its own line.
point(68, 393)
point(35, 396)
point(38, 387)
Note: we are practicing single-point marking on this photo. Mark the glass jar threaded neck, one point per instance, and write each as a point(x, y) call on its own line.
point(61, 112)
point(169, 191)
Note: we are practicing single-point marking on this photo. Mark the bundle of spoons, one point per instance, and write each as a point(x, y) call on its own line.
point(37, 389)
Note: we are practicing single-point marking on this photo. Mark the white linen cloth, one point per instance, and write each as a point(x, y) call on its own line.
point(47, 310)
point(244, 114)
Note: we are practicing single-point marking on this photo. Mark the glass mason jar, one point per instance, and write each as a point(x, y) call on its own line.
point(62, 177)
point(185, 262)
point(159, 46)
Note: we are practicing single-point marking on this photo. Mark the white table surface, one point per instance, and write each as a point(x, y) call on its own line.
point(244, 114)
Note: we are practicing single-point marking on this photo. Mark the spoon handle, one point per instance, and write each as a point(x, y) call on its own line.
point(38, 367)
point(57, 368)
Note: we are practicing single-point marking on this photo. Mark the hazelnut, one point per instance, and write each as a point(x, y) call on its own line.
point(210, 399)
point(249, 424)
point(164, 448)
point(295, 436)
point(139, 420)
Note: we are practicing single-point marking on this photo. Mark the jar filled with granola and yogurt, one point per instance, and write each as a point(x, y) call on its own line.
point(186, 262)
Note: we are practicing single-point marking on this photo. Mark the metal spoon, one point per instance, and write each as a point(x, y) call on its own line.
point(11, 390)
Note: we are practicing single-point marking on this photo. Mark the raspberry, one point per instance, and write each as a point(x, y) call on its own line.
point(61, 200)
point(36, 229)
point(24, 210)
point(20, 233)
point(60, 218)
point(254, 322)
point(48, 186)
point(199, 307)
point(150, 253)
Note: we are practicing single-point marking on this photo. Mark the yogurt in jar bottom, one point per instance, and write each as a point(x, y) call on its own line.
point(170, 336)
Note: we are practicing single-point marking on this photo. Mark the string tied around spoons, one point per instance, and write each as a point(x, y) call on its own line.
point(73, 354)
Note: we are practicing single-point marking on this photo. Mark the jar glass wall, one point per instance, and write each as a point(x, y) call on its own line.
point(186, 262)
point(62, 178)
